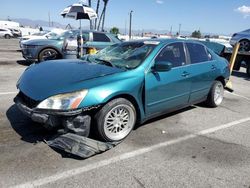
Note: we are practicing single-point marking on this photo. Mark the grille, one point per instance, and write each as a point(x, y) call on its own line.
point(28, 101)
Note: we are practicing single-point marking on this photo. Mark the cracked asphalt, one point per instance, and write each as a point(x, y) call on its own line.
point(168, 151)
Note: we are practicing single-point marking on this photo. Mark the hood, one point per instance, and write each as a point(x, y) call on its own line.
point(40, 42)
point(40, 81)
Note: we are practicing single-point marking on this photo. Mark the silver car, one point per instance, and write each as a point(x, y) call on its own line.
point(6, 33)
point(243, 38)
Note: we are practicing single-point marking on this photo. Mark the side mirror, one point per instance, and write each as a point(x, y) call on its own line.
point(162, 66)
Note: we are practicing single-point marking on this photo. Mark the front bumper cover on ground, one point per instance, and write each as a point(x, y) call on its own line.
point(80, 146)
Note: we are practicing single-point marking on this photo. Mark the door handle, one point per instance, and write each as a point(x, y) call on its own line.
point(213, 67)
point(185, 74)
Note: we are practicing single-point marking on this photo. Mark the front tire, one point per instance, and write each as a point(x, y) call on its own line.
point(115, 120)
point(48, 54)
point(216, 94)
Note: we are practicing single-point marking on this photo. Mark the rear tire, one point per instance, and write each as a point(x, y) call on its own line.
point(248, 69)
point(115, 120)
point(245, 45)
point(7, 36)
point(48, 54)
point(216, 94)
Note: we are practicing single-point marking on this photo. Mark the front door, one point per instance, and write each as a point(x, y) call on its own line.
point(171, 89)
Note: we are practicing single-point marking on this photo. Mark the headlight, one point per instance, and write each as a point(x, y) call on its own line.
point(63, 101)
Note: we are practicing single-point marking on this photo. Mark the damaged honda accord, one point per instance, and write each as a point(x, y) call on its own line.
point(122, 85)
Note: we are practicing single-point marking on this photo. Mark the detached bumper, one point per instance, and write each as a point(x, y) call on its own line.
point(37, 117)
point(73, 120)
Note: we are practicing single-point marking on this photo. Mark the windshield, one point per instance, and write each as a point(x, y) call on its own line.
point(40, 33)
point(127, 55)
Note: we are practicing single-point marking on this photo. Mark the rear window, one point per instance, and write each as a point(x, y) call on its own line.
point(100, 37)
point(198, 53)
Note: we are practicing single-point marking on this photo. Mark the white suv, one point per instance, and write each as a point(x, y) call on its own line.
point(6, 33)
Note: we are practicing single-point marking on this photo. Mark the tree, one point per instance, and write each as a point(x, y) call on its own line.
point(114, 31)
point(196, 34)
point(97, 12)
point(90, 21)
point(103, 14)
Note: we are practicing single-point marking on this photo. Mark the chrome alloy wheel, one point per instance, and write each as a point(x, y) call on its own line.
point(218, 94)
point(119, 122)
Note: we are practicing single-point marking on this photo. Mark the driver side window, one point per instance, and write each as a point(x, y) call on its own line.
point(173, 53)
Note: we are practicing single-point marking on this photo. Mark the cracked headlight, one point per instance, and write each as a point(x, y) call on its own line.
point(68, 101)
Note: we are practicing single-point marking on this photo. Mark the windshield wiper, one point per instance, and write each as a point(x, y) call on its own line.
point(105, 62)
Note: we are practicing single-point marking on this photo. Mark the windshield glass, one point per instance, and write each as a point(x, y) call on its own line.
point(40, 33)
point(127, 55)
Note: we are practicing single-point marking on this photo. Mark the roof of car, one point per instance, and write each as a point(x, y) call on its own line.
point(86, 30)
point(164, 41)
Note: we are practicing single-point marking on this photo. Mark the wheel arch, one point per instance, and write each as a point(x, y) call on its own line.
point(221, 79)
point(244, 39)
point(131, 99)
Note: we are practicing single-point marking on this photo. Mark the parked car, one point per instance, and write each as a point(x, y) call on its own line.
point(6, 33)
point(243, 38)
point(43, 35)
point(119, 86)
point(53, 47)
point(16, 32)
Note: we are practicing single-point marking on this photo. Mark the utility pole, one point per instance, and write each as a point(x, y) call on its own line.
point(179, 29)
point(49, 18)
point(130, 24)
point(125, 27)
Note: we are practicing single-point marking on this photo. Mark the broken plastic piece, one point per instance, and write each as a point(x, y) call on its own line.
point(80, 146)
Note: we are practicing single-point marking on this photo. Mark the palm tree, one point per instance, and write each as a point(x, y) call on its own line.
point(104, 14)
point(97, 12)
point(102, 17)
point(90, 21)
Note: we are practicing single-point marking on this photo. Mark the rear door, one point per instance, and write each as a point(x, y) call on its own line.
point(171, 89)
point(202, 71)
point(99, 41)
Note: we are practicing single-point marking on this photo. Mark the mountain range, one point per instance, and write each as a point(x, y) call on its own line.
point(36, 23)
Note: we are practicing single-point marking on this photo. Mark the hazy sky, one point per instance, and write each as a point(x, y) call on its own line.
point(216, 16)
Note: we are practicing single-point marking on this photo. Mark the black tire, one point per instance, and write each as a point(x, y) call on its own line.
point(7, 36)
point(105, 131)
point(248, 69)
point(212, 100)
point(237, 64)
point(48, 54)
point(245, 45)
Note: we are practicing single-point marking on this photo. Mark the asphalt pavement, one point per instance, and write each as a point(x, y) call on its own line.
point(194, 147)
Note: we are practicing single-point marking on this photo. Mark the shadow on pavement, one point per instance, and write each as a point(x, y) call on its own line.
point(28, 130)
point(24, 62)
point(164, 116)
point(241, 75)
